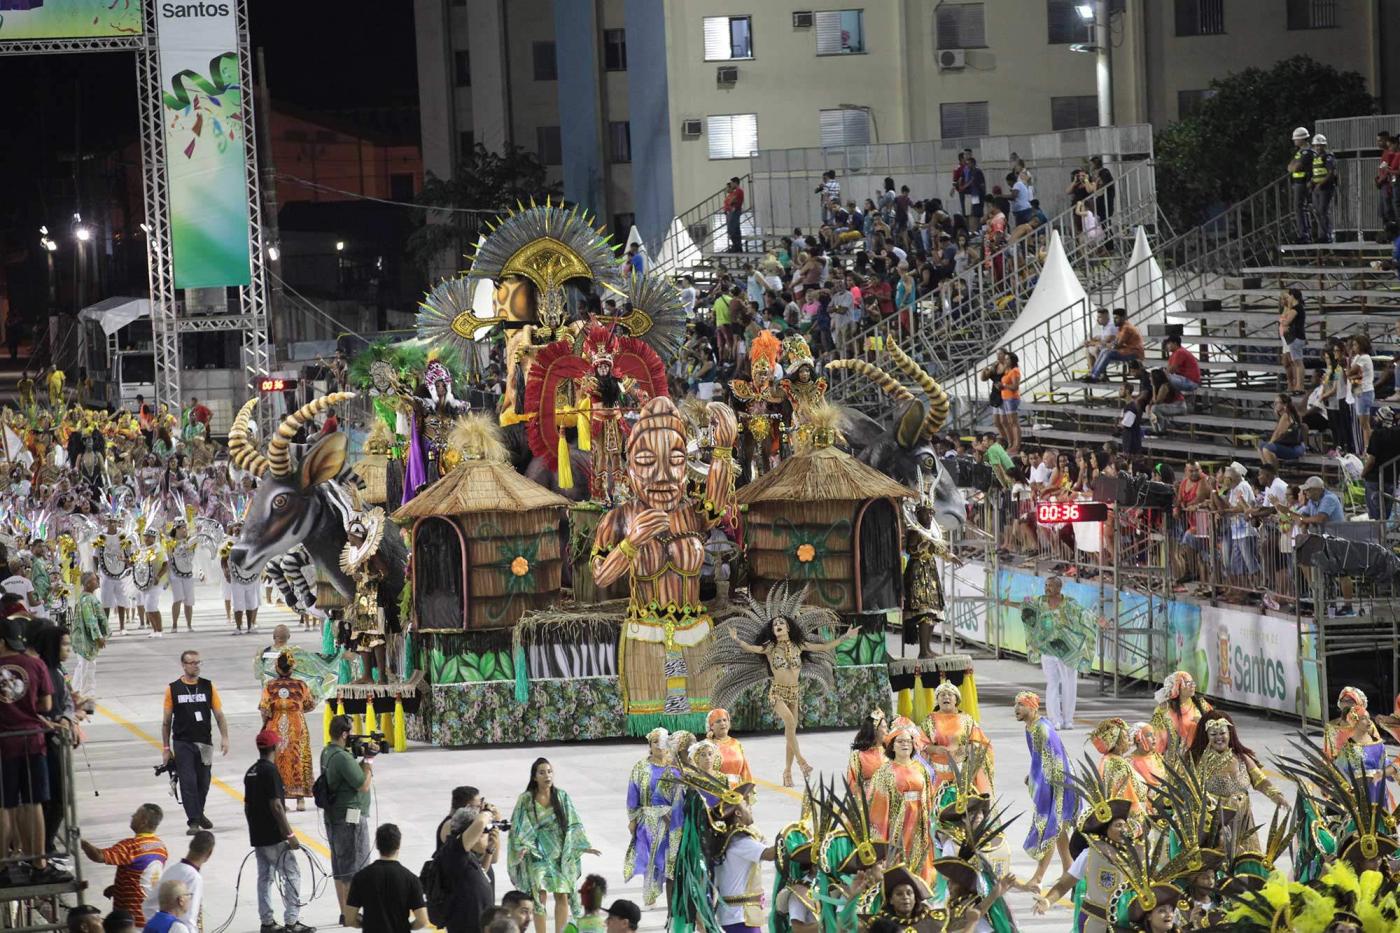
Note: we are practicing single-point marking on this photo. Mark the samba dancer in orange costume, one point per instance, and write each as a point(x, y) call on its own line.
point(284, 705)
point(1179, 709)
point(733, 763)
point(949, 733)
point(867, 751)
point(1144, 757)
point(901, 803)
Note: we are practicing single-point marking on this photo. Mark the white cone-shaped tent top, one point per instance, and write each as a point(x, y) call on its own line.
point(1144, 290)
point(678, 251)
point(1033, 336)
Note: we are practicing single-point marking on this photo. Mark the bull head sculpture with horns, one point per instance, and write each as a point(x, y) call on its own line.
point(305, 503)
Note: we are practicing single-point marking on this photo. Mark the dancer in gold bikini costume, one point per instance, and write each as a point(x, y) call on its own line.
point(779, 631)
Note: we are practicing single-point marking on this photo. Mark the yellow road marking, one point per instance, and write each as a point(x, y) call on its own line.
point(794, 794)
point(227, 788)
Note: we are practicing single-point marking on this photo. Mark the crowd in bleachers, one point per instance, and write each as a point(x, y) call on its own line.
point(888, 257)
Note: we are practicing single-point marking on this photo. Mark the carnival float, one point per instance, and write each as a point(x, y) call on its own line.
point(567, 566)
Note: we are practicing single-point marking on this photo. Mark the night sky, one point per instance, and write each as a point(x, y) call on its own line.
point(320, 56)
point(343, 55)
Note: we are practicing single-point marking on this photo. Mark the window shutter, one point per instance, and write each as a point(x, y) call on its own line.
point(961, 26)
point(845, 127)
point(717, 47)
point(964, 120)
point(732, 136)
point(828, 25)
point(1069, 113)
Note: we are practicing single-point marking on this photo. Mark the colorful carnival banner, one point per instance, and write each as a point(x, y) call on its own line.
point(1238, 655)
point(25, 20)
point(204, 144)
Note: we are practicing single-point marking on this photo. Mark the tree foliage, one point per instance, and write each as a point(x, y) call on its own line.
point(1238, 140)
point(489, 182)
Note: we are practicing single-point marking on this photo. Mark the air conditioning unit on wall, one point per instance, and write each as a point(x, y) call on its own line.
point(802, 19)
point(727, 75)
point(691, 129)
point(952, 60)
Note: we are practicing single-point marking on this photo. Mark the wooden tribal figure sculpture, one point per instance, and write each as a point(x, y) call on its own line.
point(658, 541)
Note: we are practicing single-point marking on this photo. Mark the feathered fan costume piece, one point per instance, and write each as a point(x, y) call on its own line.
point(739, 669)
point(546, 245)
point(655, 314)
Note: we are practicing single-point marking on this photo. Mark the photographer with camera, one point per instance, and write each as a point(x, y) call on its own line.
point(463, 862)
point(185, 732)
point(347, 782)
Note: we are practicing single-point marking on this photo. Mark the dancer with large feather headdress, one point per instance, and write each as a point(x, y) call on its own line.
point(772, 641)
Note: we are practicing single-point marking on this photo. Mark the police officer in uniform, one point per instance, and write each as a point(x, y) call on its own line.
point(1324, 185)
point(190, 703)
point(1300, 169)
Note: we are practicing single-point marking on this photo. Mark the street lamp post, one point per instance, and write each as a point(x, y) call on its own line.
point(1096, 14)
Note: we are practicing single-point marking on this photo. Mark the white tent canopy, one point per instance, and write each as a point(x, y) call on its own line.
point(1144, 290)
point(112, 314)
point(1036, 340)
point(678, 251)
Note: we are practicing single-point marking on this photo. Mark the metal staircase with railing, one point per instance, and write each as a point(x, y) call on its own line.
point(947, 337)
point(1198, 264)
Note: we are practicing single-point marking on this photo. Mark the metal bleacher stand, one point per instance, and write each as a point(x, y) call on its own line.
point(31, 908)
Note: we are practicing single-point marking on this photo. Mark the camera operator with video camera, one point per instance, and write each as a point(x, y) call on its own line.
point(464, 866)
point(347, 782)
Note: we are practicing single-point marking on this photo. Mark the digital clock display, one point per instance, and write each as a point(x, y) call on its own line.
point(272, 384)
point(1055, 513)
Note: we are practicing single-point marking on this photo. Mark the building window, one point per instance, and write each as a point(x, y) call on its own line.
point(1070, 113)
point(547, 145)
point(732, 136)
point(615, 49)
point(622, 226)
point(620, 140)
point(845, 126)
point(401, 186)
point(961, 26)
point(463, 60)
point(546, 68)
point(1066, 25)
point(1312, 14)
point(964, 120)
point(1188, 102)
point(466, 144)
point(728, 38)
point(840, 32)
point(1200, 17)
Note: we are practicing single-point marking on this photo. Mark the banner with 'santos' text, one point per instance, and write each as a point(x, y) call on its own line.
point(204, 142)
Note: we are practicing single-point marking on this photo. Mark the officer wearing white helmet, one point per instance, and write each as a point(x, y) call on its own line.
point(1300, 169)
point(1324, 186)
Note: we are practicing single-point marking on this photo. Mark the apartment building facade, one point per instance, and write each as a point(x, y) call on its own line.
point(645, 107)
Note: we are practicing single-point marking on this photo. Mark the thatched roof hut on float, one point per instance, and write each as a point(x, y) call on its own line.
point(486, 544)
point(823, 519)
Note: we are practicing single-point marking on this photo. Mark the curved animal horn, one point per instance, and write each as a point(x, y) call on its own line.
point(936, 414)
point(890, 385)
point(240, 449)
point(279, 456)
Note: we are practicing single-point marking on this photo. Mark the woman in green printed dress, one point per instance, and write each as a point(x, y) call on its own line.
point(546, 840)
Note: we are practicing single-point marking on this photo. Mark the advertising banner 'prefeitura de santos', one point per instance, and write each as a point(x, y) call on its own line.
point(204, 143)
point(27, 20)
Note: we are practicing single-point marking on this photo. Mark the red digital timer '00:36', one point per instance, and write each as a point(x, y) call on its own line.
point(1054, 513)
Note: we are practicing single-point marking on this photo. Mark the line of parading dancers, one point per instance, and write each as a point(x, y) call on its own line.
point(1155, 834)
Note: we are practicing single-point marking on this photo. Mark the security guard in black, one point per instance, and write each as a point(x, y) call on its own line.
point(186, 732)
